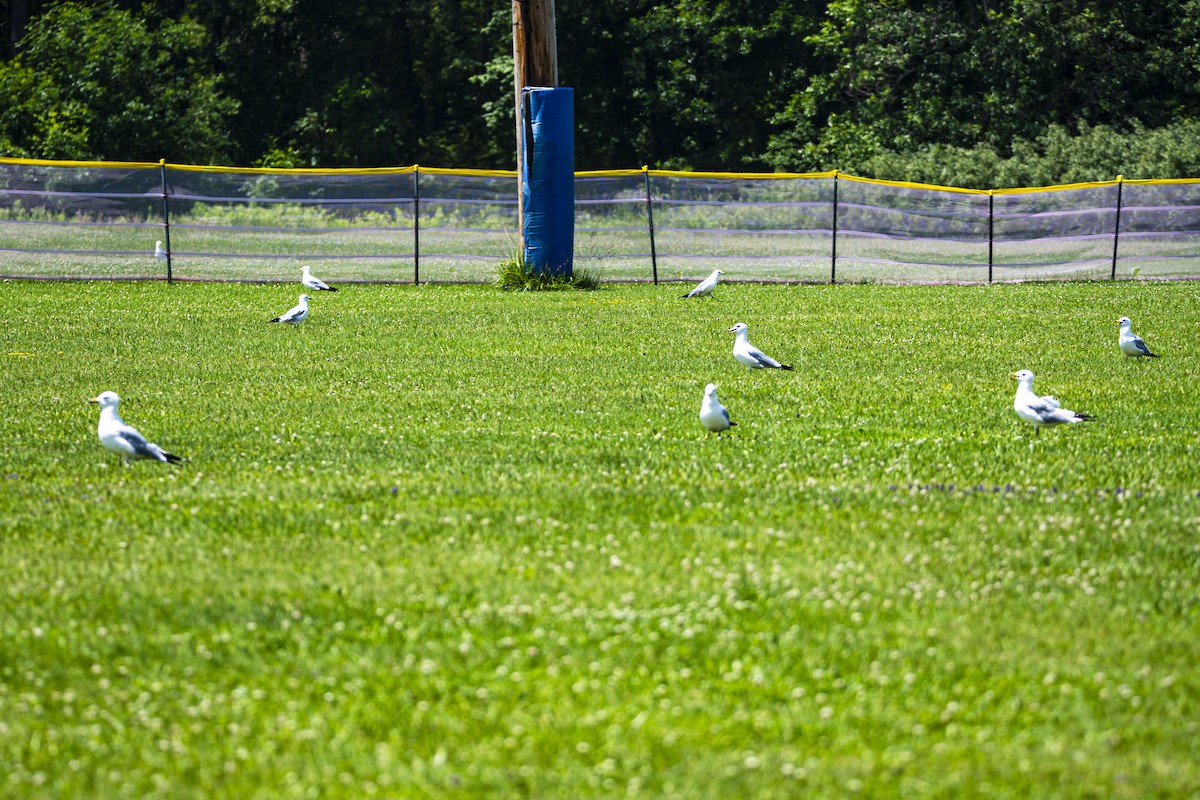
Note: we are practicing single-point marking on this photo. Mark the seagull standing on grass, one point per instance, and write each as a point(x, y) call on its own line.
point(1131, 343)
point(159, 253)
point(750, 355)
point(705, 287)
point(712, 414)
point(124, 439)
point(316, 284)
point(297, 313)
point(1041, 411)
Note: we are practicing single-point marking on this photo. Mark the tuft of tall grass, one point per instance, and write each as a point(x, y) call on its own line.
point(513, 274)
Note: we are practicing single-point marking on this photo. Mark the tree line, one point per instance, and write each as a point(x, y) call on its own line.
point(983, 93)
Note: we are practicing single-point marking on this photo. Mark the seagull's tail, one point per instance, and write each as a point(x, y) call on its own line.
point(1152, 355)
point(1082, 417)
point(277, 319)
point(330, 289)
point(785, 366)
point(685, 296)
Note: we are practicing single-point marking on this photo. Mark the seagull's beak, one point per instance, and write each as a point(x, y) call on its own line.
point(94, 400)
point(1012, 375)
point(731, 330)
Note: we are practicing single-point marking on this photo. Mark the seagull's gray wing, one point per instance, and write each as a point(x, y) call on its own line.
point(1141, 346)
point(137, 443)
point(1043, 406)
point(763, 358)
point(289, 315)
point(725, 414)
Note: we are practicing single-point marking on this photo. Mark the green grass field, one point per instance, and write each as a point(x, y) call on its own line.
point(444, 541)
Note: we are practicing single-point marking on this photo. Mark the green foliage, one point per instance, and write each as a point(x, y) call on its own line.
point(1057, 156)
point(854, 85)
point(513, 274)
point(452, 542)
point(97, 82)
point(900, 77)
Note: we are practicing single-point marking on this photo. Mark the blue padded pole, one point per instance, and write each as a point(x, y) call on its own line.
point(548, 180)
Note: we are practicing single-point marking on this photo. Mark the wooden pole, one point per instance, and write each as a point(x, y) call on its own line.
point(535, 63)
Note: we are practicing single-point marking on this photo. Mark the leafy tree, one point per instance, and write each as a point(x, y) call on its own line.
point(1056, 156)
point(98, 82)
point(685, 84)
point(901, 75)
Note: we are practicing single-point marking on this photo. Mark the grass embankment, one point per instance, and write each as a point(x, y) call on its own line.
point(449, 541)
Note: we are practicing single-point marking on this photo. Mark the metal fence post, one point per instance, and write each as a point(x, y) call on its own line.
point(834, 231)
point(1117, 227)
point(991, 230)
point(416, 224)
point(166, 208)
point(650, 223)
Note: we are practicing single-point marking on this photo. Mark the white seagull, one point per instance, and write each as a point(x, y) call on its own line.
point(712, 414)
point(124, 439)
point(297, 313)
point(316, 284)
point(750, 355)
point(705, 287)
point(159, 253)
point(1041, 411)
point(1131, 343)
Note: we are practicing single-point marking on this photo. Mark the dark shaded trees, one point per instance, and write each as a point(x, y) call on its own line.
point(100, 82)
point(901, 76)
point(864, 86)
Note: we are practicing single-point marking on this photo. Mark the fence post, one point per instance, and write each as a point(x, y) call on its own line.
point(416, 224)
point(650, 223)
point(991, 229)
point(834, 231)
point(1117, 228)
point(162, 170)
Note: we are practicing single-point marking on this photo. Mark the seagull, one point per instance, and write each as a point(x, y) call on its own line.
point(705, 287)
point(750, 355)
point(1041, 411)
point(712, 414)
point(1131, 343)
point(159, 253)
point(123, 439)
point(316, 284)
point(297, 313)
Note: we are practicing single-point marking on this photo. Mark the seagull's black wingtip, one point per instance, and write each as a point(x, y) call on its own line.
point(785, 366)
point(172, 458)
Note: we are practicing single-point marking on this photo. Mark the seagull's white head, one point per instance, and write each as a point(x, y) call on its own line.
point(307, 271)
point(739, 328)
point(1124, 322)
point(106, 400)
point(710, 390)
point(1024, 377)
point(303, 298)
point(718, 272)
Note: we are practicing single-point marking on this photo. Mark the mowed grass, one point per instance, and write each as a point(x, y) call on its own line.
point(445, 541)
